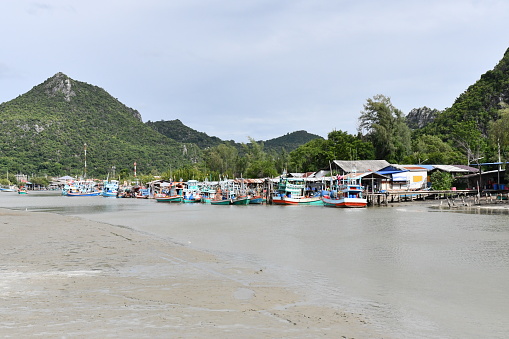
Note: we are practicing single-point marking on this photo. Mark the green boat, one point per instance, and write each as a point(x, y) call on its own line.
point(220, 202)
point(175, 198)
point(243, 200)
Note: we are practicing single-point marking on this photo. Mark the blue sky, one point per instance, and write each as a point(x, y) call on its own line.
point(263, 68)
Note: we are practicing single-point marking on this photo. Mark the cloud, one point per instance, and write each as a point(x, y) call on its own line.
point(256, 67)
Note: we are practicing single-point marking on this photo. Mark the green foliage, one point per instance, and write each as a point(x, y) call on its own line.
point(289, 141)
point(430, 149)
point(185, 173)
point(479, 104)
point(441, 181)
point(318, 153)
point(222, 159)
point(44, 131)
point(41, 181)
point(385, 127)
point(499, 132)
point(176, 130)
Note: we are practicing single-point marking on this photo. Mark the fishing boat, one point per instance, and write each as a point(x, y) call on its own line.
point(345, 192)
point(191, 192)
point(8, 189)
point(175, 198)
point(110, 188)
point(221, 202)
point(240, 200)
point(81, 188)
point(292, 191)
point(257, 199)
point(83, 194)
point(22, 191)
point(223, 195)
point(170, 192)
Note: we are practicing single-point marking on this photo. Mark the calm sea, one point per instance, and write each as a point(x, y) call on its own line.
point(413, 271)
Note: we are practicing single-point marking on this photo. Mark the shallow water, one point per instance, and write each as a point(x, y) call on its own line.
point(413, 271)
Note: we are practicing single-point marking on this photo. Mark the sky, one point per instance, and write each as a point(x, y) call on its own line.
point(255, 68)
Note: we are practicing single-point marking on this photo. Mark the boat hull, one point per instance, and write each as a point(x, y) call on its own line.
point(220, 202)
point(297, 201)
point(241, 201)
point(257, 200)
point(169, 199)
point(90, 194)
point(345, 202)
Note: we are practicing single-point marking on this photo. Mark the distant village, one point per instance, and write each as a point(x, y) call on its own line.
point(380, 176)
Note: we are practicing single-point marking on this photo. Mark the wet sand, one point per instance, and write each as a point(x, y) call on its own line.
point(62, 276)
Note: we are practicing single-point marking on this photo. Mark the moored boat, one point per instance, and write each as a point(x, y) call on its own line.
point(191, 193)
point(174, 198)
point(292, 191)
point(241, 200)
point(110, 188)
point(83, 194)
point(257, 200)
point(221, 202)
point(345, 193)
point(85, 188)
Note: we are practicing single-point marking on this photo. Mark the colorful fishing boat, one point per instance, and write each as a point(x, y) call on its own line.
point(292, 191)
point(81, 188)
point(110, 188)
point(170, 192)
point(221, 202)
point(191, 192)
point(83, 194)
point(240, 200)
point(174, 198)
point(8, 189)
point(345, 193)
point(257, 199)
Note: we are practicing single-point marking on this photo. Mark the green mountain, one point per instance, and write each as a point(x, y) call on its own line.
point(44, 131)
point(176, 130)
point(479, 104)
point(290, 141)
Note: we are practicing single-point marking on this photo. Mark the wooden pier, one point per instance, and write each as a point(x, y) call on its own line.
point(465, 197)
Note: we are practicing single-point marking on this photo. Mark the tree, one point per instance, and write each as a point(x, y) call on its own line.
point(222, 159)
point(441, 181)
point(468, 138)
point(384, 126)
point(432, 150)
point(498, 131)
point(258, 164)
point(344, 146)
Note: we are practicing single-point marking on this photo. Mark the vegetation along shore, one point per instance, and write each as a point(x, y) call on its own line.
point(61, 124)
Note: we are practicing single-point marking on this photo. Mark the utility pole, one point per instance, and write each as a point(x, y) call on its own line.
point(85, 145)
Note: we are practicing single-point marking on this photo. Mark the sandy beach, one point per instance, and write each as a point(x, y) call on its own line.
point(64, 276)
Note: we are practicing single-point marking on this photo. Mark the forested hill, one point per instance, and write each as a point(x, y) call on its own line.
point(475, 108)
point(290, 141)
point(176, 130)
point(45, 130)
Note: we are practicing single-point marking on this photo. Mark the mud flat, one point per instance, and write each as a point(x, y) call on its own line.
point(63, 276)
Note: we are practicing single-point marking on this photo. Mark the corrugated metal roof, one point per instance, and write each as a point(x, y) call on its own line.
point(360, 165)
point(451, 169)
point(411, 167)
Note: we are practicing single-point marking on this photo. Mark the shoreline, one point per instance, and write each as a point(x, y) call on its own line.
point(67, 276)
